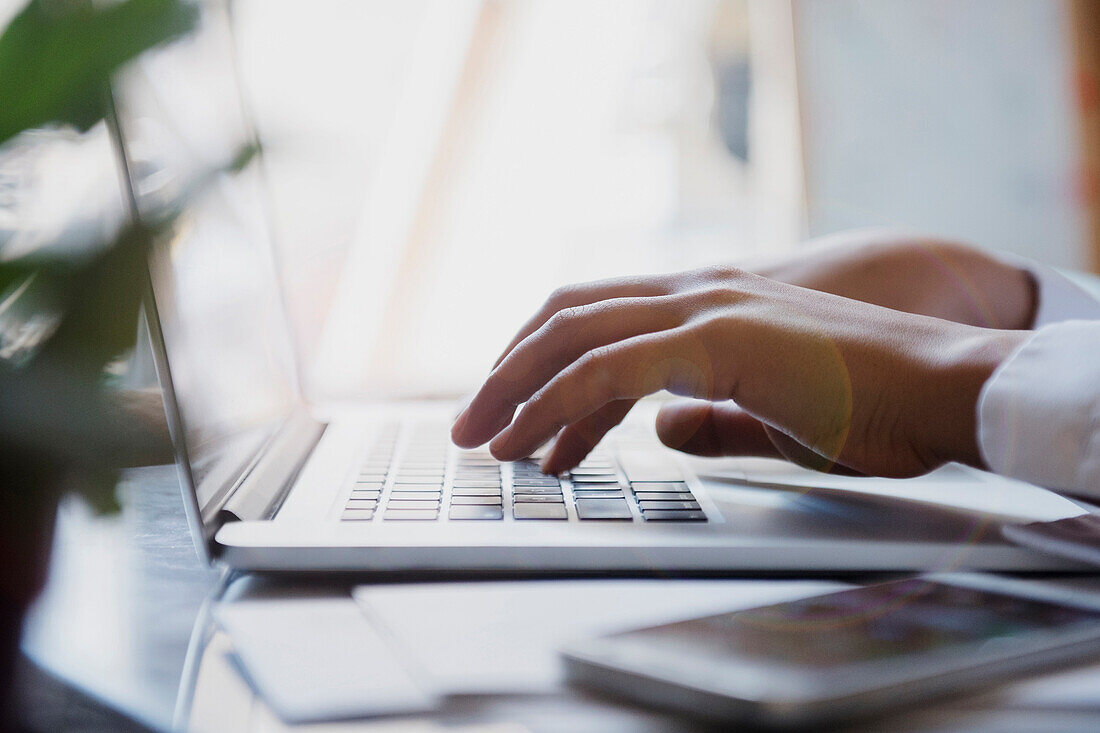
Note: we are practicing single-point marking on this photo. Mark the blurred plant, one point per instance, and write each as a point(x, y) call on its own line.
point(63, 314)
point(67, 312)
point(70, 292)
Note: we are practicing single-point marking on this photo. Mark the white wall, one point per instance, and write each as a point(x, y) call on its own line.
point(950, 116)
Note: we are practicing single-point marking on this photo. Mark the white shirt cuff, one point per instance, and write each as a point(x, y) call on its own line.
point(1039, 414)
point(1062, 296)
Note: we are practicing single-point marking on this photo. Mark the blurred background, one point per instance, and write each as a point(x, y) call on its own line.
point(439, 166)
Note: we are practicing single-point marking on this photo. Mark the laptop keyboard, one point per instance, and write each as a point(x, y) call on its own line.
point(418, 475)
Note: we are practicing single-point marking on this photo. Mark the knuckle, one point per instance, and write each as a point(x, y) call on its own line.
point(724, 273)
point(718, 295)
point(557, 321)
point(561, 294)
point(495, 383)
point(715, 325)
point(567, 319)
point(593, 369)
point(594, 361)
point(598, 373)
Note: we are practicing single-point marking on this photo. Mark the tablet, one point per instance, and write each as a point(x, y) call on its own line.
point(847, 654)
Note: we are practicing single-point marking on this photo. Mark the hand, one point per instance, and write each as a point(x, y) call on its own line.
point(823, 380)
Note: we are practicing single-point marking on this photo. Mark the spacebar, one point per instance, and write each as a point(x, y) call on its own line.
point(647, 466)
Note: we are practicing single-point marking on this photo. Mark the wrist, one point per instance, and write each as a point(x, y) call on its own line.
point(956, 389)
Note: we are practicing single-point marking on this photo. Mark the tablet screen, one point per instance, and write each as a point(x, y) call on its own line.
point(864, 625)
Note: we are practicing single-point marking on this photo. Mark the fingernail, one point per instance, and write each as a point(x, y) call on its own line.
point(497, 444)
point(460, 422)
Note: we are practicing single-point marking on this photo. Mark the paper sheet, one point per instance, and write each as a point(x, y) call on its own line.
point(498, 637)
point(950, 486)
point(316, 659)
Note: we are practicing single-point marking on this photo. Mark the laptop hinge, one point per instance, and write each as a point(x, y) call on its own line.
point(260, 494)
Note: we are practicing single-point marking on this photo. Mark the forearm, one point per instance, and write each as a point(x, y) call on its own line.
point(915, 275)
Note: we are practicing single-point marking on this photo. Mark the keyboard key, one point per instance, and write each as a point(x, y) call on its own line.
point(664, 496)
point(536, 490)
point(410, 514)
point(408, 504)
point(367, 485)
point(416, 495)
point(598, 494)
point(428, 488)
point(658, 486)
point(476, 512)
point(419, 478)
point(463, 483)
point(539, 511)
point(595, 480)
point(361, 503)
point(538, 499)
point(357, 515)
point(596, 463)
point(603, 509)
point(371, 478)
point(589, 471)
point(544, 481)
point(463, 491)
point(364, 494)
point(663, 516)
point(476, 500)
point(668, 505)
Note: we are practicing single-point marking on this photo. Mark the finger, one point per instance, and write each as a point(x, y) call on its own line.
point(630, 369)
point(563, 339)
point(798, 453)
point(576, 441)
point(723, 429)
point(713, 429)
point(572, 296)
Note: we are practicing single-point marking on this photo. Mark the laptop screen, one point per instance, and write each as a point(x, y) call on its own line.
point(225, 338)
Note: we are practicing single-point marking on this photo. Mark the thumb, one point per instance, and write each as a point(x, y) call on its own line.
point(713, 429)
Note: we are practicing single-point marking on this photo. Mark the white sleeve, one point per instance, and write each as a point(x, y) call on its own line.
point(1062, 295)
point(1039, 414)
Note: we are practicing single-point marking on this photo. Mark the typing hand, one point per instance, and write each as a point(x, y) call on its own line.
point(826, 381)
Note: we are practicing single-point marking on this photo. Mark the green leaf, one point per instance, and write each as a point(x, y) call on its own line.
point(100, 489)
point(56, 58)
point(101, 312)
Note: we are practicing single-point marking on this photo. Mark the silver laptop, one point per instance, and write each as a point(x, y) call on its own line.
point(272, 482)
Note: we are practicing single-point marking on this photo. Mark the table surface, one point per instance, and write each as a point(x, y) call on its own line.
point(124, 604)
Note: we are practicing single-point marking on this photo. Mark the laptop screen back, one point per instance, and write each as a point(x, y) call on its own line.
point(226, 350)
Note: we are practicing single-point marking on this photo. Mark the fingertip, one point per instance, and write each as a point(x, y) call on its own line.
point(498, 446)
point(678, 422)
point(550, 467)
point(457, 430)
point(465, 444)
point(561, 456)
